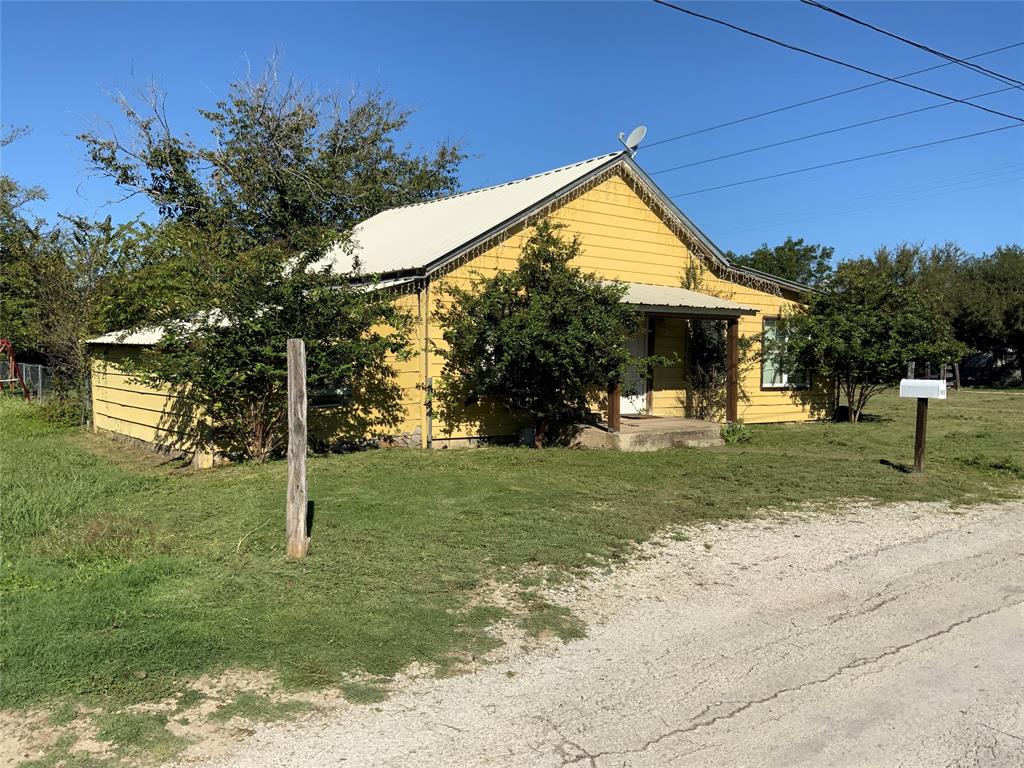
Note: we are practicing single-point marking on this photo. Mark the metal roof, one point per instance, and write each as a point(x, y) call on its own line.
point(143, 337)
point(666, 299)
point(415, 236)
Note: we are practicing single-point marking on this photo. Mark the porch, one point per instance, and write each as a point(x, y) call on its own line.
point(633, 402)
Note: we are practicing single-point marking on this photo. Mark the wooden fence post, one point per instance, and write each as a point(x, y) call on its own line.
point(295, 514)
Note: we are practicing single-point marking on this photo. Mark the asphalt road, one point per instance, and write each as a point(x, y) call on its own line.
point(889, 636)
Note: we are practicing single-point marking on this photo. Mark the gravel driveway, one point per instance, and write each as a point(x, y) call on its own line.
point(881, 636)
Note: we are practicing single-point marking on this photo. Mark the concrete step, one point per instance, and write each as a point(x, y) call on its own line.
point(704, 435)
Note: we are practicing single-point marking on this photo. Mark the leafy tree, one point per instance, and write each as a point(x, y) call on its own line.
point(22, 245)
point(806, 263)
point(55, 283)
point(539, 339)
point(230, 362)
point(861, 331)
point(990, 307)
point(79, 272)
point(233, 265)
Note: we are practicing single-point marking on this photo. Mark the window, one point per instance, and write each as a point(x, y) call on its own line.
point(773, 373)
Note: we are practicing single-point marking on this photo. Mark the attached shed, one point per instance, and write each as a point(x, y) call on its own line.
point(630, 232)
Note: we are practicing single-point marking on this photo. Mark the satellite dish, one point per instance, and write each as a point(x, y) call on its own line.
point(632, 141)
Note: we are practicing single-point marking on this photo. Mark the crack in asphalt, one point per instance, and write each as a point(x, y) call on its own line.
point(593, 757)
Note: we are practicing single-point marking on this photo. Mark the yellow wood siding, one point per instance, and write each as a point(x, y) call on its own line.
point(125, 406)
point(667, 381)
point(622, 238)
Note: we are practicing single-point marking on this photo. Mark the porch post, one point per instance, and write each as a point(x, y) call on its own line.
point(732, 382)
point(614, 395)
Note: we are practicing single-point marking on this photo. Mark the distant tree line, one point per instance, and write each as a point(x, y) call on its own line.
point(864, 319)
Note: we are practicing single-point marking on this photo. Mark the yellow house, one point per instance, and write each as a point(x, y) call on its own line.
point(630, 232)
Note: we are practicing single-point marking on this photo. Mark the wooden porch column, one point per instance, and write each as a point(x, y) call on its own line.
point(732, 381)
point(614, 395)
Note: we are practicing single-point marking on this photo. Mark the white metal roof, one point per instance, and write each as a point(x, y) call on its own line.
point(414, 236)
point(143, 337)
point(655, 297)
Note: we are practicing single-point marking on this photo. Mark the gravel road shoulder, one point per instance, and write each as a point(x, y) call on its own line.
point(877, 635)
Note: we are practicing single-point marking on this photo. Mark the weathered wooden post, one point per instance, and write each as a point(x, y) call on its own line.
point(922, 389)
point(295, 514)
point(732, 370)
point(614, 406)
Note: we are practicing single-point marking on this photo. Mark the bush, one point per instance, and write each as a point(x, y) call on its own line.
point(65, 409)
point(736, 433)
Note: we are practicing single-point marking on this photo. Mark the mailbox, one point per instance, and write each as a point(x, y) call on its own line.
point(934, 389)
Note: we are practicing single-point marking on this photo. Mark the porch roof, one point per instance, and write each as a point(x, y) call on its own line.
point(666, 300)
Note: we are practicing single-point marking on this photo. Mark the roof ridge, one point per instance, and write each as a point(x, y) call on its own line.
point(466, 193)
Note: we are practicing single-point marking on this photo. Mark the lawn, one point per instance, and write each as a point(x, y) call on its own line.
point(123, 579)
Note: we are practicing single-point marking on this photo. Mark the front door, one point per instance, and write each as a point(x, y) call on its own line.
point(634, 385)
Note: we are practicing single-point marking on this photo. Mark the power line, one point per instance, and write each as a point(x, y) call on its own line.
point(876, 194)
point(850, 160)
point(897, 196)
point(883, 204)
point(833, 60)
point(1006, 79)
point(821, 133)
point(819, 98)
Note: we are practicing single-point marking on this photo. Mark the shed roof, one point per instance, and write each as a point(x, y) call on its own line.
point(143, 337)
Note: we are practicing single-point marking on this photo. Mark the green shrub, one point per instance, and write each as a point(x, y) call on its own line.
point(736, 433)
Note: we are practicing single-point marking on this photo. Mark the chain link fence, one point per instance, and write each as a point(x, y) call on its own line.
point(38, 379)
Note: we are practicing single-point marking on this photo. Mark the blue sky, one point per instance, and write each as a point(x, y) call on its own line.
point(531, 86)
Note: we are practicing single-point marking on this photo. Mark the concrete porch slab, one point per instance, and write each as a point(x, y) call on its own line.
point(651, 433)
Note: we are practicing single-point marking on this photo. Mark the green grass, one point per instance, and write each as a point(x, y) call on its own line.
point(123, 580)
point(138, 734)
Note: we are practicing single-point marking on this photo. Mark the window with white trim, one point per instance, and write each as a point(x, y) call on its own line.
point(774, 374)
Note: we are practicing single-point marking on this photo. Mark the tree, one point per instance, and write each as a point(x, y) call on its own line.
point(229, 362)
point(23, 241)
point(990, 306)
point(861, 331)
point(245, 220)
point(79, 269)
point(538, 340)
point(806, 263)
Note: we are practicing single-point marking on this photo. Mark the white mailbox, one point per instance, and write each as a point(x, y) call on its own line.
point(934, 389)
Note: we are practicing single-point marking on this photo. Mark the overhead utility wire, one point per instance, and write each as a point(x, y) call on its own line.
point(878, 194)
point(884, 204)
point(821, 133)
point(833, 60)
point(849, 160)
point(864, 202)
point(775, 111)
point(1006, 79)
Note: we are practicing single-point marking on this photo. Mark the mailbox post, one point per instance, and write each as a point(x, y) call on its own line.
point(923, 390)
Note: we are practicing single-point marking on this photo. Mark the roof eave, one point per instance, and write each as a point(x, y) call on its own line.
point(521, 215)
point(707, 241)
